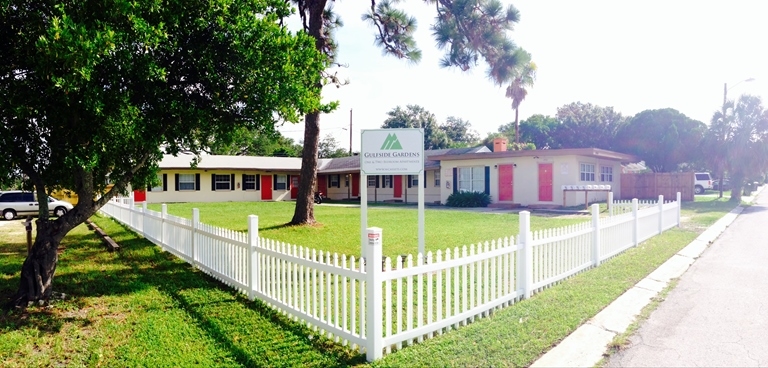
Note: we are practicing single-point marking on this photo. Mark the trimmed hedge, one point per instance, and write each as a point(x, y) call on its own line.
point(468, 199)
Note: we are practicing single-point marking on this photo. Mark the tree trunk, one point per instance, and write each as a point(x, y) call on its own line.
point(304, 213)
point(737, 185)
point(38, 269)
point(517, 129)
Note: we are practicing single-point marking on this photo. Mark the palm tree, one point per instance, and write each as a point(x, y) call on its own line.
point(522, 76)
point(516, 68)
point(746, 143)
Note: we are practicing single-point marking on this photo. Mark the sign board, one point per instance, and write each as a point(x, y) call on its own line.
point(392, 151)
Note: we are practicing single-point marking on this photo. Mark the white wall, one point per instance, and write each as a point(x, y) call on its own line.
point(526, 178)
point(205, 194)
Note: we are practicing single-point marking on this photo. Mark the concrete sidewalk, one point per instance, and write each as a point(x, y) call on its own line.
point(681, 337)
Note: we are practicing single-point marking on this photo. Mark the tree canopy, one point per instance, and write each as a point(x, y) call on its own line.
point(664, 138)
point(537, 129)
point(745, 141)
point(256, 142)
point(329, 148)
point(455, 132)
point(93, 92)
point(584, 125)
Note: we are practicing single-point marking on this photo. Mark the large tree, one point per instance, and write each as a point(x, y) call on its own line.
point(746, 142)
point(256, 142)
point(664, 138)
point(459, 132)
point(93, 92)
point(329, 148)
point(537, 129)
point(415, 116)
point(587, 125)
point(469, 32)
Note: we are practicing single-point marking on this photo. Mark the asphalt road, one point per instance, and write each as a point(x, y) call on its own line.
point(717, 316)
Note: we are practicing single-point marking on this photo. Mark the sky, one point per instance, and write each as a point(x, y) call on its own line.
point(629, 55)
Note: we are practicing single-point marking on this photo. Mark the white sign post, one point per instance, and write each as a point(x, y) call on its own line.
point(390, 152)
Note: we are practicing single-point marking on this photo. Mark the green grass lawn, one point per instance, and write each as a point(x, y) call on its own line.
point(339, 227)
point(142, 307)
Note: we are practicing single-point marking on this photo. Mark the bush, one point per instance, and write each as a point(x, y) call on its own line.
point(468, 199)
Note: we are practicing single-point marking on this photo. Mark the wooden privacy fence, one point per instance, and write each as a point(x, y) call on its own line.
point(383, 305)
point(652, 185)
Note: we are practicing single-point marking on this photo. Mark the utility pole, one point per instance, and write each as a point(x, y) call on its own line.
point(350, 132)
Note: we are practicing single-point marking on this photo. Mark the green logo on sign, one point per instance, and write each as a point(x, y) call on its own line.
point(391, 143)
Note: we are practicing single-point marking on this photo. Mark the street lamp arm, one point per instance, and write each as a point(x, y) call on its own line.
point(726, 89)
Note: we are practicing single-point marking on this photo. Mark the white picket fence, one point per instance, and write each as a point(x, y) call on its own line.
point(380, 306)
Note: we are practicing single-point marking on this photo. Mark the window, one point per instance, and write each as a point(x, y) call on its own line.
point(334, 181)
point(249, 182)
point(346, 181)
point(372, 181)
point(161, 184)
point(437, 178)
point(387, 181)
point(606, 173)
point(186, 181)
point(472, 179)
point(414, 180)
point(222, 182)
point(281, 182)
point(587, 172)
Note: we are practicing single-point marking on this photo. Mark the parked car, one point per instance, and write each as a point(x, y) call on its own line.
point(19, 203)
point(716, 184)
point(703, 182)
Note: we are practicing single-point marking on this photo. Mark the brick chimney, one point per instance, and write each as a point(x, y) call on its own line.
point(499, 144)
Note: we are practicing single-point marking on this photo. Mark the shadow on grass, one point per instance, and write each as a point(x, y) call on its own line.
point(250, 331)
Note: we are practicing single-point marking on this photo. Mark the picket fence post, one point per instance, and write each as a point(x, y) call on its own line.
point(610, 204)
point(373, 275)
point(195, 225)
point(635, 222)
point(661, 213)
point(524, 256)
point(163, 216)
point(679, 206)
point(144, 219)
point(253, 264)
point(131, 208)
point(596, 234)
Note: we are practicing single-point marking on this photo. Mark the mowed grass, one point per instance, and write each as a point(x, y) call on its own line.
point(338, 228)
point(142, 307)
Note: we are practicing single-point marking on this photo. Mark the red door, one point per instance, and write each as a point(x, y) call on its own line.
point(355, 185)
point(266, 187)
point(545, 182)
point(139, 195)
point(398, 186)
point(322, 185)
point(505, 182)
point(294, 186)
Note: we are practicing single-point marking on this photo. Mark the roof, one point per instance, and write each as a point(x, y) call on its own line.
point(352, 163)
point(589, 152)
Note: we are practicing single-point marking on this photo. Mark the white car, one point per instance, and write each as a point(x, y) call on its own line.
point(703, 182)
point(19, 203)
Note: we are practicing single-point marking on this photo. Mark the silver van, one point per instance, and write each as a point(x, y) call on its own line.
point(19, 203)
